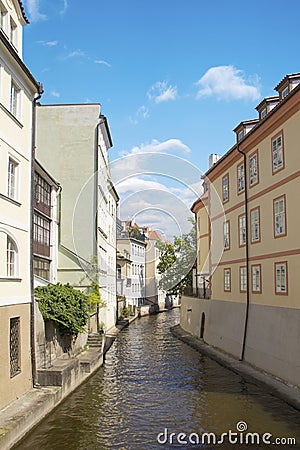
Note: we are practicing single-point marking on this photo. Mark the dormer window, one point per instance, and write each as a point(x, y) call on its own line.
point(263, 113)
point(241, 134)
point(285, 92)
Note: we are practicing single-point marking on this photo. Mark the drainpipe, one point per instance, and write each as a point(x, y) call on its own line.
point(32, 194)
point(247, 254)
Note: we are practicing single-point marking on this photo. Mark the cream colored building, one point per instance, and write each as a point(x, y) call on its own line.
point(154, 295)
point(18, 90)
point(73, 143)
point(254, 306)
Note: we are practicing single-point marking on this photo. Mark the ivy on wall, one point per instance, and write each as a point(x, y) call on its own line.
point(69, 308)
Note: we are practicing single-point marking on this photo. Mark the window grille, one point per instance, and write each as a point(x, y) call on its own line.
point(14, 346)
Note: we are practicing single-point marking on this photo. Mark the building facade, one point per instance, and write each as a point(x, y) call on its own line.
point(154, 295)
point(73, 143)
point(254, 309)
point(18, 91)
point(131, 264)
point(45, 227)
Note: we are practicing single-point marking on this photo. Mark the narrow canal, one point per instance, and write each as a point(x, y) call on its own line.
point(151, 382)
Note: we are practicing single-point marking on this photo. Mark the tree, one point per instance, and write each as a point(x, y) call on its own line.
point(176, 261)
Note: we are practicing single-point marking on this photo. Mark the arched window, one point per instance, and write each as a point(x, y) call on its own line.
point(11, 258)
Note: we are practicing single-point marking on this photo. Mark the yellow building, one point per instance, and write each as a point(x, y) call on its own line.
point(18, 90)
point(254, 309)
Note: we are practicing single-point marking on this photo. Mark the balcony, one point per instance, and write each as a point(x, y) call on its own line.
point(203, 292)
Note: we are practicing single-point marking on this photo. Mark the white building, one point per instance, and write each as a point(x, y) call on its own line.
point(131, 265)
point(18, 91)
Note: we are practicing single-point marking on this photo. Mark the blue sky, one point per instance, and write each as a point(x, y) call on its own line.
point(171, 76)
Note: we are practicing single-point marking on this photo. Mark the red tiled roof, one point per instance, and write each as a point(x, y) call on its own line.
point(154, 235)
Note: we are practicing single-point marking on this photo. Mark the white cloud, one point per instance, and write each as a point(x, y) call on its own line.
point(64, 7)
point(162, 92)
point(227, 82)
point(48, 43)
point(97, 61)
point(55, 94)
point(141, 113)
point(33, 10)
point(169, 146)
point(75, 54)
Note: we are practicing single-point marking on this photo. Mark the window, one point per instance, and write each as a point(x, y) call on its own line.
point(42, 190)
point(13, 33)
point(242, 230)
point(243, 278)
point(240, 178)
point(14, 99)
point(241, 134)
point(3, 13)
point(256, 279)
point(225, 188)
point(11, 258)
point(263, 113)
point(227, 280)
point(12, 182)
point(253, 169)
point(14, 346)
point(41, 268)
point(41, 230)
point(281, 282)
point(255, 225)
point(279, 216)
point(277, 153)
point(226, 233)
point(285, 92)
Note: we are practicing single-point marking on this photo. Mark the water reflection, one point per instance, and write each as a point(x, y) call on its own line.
point(152, 381)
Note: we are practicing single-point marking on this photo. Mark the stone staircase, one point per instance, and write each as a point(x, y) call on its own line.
point(94, 340)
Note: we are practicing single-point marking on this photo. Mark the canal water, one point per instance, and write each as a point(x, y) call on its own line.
point(153, 385)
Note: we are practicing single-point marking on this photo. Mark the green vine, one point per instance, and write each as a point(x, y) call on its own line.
point(69, 308)
point(94, 298)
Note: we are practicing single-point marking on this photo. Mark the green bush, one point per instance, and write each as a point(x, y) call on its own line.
point(66, 306)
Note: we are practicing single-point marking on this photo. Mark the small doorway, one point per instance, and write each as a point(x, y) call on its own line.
point(202, 325)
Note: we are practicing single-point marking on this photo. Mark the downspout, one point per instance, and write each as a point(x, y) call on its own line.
point(247, 255)
point(32, 195)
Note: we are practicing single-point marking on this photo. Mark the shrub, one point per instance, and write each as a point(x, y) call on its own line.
point(66, 306)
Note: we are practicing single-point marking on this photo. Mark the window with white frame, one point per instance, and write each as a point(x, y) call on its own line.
point(279, 216)
point(226, 234)
point(253, 169)
point(14, 99)
point(227, 280)
point(225, 188)
point(281, 285)
point(11, 258)
point(255, 225)
point(256, 278)
point(242, 230)
point(12, 180)
point(243, 278)
point(277, 153)
point(241, 178)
